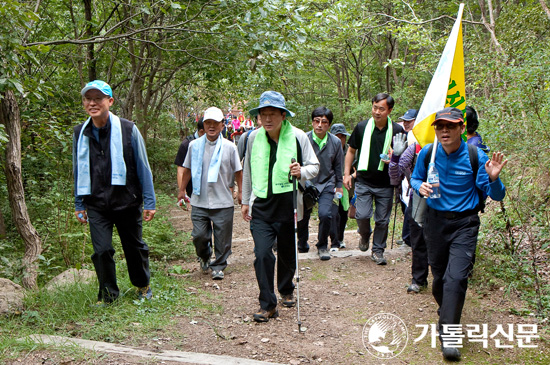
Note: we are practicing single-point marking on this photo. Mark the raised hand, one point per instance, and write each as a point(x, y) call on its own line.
point(495, 165)
point(399, 144)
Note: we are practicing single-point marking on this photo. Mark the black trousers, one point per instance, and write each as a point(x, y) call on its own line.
point(451, 245)
point(406, 231)
point(129, 226)
point(338, 226)
point(326, 211)
point(419, 267)
point(264, 235)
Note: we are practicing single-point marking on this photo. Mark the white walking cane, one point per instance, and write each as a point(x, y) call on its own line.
point(297, 274)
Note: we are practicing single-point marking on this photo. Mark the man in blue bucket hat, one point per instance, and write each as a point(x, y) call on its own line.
point(267, 198)
point(112, 180)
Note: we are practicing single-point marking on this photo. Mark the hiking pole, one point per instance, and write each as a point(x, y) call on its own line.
point(297, 275)
point(394, 216)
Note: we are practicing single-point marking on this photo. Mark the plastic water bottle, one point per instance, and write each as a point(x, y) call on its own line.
point(433, 179)
point(337, 197)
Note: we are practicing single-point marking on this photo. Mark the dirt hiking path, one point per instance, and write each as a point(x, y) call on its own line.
point(337, 298)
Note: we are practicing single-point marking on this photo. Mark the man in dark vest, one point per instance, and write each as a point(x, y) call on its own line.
point(112, 180)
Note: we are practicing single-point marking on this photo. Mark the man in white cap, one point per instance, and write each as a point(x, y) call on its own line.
point(211, 162)
point(267, 198)
point(112, 180)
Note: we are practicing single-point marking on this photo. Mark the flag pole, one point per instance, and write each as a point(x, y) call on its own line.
point(434, 149)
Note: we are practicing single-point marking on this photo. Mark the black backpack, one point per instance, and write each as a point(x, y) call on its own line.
point(474, 162)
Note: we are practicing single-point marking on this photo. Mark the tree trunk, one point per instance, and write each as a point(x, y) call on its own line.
point(490, 26)
point(92, 73)
point(3, 231)
point(9, 116)
point(545, 8)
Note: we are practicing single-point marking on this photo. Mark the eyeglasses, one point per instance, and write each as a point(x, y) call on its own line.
point(98, 100)
point(449, 126)
point(320, 121)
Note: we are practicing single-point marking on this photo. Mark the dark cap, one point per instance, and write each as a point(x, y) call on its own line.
point(339, 128)
point(410, 115)
point(449, 114)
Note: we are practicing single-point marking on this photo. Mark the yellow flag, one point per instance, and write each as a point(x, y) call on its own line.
point(447, 87)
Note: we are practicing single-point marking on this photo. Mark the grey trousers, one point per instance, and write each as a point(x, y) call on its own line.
point(213, 221)
point(382, 199)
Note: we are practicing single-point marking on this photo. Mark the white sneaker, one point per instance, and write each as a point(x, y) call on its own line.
point(334, 249)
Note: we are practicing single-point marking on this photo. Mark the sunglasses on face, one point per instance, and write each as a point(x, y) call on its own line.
point(449, 126)
point(320, 121)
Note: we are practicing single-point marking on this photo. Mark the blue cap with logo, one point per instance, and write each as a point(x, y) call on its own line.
point(273, 99)
point(98, 85)
point(410, 115)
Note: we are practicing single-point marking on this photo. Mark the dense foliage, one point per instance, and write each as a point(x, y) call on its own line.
point(168, 60)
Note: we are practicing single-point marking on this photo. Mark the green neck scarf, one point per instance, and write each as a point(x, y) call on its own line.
point(259, 161)
point(320, 142)
point(365, 146)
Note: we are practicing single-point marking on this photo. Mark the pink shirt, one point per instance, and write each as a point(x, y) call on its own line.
point(236, 124)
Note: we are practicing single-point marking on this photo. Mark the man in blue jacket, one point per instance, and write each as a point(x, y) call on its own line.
point(112, 179)
point(452, 222)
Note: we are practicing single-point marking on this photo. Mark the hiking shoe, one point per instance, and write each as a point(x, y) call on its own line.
point(334, 249)
point(145, 293)
point(204, 265)
point(363, 244)
point(288, 300)
point(324, 255)
point(100, 304)
point(400, 242)
point(378, 258)
point(264, 315)
point(303, 249)
point(450, 353)
point(342, 244)
point(413, 288)
point(217, 275)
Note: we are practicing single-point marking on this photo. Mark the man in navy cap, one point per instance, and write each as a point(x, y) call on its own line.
point(267, 198)
point(112, 180)
point(452, 222)
point(402, 183)
point(340, 220)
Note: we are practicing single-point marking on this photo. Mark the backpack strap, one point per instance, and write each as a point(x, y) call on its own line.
point(474, 162)
point(427, 157)
point(246, 142)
